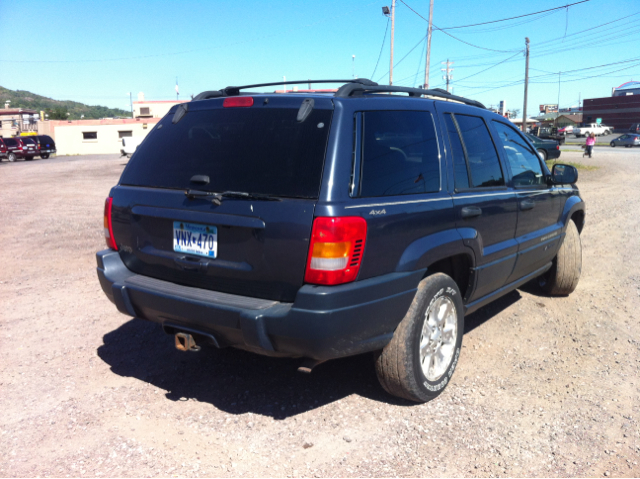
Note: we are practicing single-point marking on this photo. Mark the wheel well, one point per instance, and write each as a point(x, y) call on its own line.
point(457, 267)
point(578, 219)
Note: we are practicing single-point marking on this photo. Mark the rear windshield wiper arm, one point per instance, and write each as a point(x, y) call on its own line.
point(216, 198)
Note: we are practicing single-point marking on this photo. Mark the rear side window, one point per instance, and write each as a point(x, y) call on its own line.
point(400, 154)
point(457, 151)
point(254, 150)
point(482, 157)
point(10, 142)
point(524, 163)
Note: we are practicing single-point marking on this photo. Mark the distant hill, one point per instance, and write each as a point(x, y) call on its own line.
point(57, 109)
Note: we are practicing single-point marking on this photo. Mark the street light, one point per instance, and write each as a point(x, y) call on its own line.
point(385, 11)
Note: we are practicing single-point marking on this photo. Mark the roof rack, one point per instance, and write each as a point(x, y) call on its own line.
point(235, 90)
point(350, 88)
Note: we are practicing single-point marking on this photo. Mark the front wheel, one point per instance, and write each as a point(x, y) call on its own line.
point(12, 157)
point(543, 154)
point(418, 362)
point(45, 156)
point(613, 145)
point(562, 279)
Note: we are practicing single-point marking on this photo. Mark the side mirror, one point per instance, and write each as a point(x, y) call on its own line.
point(564, 174)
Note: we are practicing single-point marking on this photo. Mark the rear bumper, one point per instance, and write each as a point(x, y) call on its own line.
point(553, 154)
point(324, 322)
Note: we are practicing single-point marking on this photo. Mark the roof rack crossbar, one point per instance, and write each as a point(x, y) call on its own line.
point(350, 89)
point(235, 90)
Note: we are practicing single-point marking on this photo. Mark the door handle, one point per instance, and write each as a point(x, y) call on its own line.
point(471, 211)
point(527, 204)
point(187, 264)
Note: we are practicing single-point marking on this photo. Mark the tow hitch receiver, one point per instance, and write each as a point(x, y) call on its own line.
point(185, 342)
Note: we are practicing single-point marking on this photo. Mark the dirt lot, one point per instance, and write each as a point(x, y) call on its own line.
point(544, 387)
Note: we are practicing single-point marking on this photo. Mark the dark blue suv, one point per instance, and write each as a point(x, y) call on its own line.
point(324, 225)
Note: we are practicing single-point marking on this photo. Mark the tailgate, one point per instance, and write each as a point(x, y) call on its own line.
point(260, 251)
point(246, 246)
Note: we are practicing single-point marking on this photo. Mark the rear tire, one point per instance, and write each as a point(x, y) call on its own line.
point(562, 279)
point(543, 154)
point(613, 145)
point(11, 157)
point(418, 362)
point(45, 156)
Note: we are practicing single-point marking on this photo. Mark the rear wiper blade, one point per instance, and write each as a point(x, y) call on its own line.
point(216, 198)
point(249, 196)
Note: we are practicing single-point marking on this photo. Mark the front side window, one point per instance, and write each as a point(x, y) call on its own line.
point(524, 163)
point(482, 157)
point(400, 154)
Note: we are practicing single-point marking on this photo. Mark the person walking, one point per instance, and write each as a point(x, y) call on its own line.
point(591, 140)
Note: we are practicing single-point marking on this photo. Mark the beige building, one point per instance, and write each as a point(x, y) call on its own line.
point(153, 108)
point(95, 137)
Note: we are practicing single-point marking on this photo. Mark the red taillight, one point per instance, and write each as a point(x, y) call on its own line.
point(557, 147)
point(237, 101)
point(336, 249)
point(108, 227)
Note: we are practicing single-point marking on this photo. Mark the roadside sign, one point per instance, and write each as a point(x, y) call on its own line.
point(598, 120)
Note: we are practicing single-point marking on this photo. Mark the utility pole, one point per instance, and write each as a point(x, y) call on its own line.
point(526, 84)
point(429, 30)
point(558, 112)
point(393, 25)
point(353, 67)
point(447, 76)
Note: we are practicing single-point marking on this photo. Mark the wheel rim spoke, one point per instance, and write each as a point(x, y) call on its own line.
point(438, 338)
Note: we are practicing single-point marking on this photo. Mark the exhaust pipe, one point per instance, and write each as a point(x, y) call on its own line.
point(185, 342)
point(308, 364)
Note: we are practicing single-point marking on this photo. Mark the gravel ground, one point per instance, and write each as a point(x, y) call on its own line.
point(544, 387)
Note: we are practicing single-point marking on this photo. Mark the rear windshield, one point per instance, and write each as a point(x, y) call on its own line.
point(255, 150)
point(28, 140)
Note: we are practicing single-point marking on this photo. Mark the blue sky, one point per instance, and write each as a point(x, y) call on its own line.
point(96, 52)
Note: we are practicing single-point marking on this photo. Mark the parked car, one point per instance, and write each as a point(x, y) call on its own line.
point(635, 128)
point(319, 226)
point(566, 130)
point(129, 145)
point(45, 145)
point(590, 128)
point(627, 140)
point(547, 149)
point(14, 148)
point(3, 149)
point(29, 147)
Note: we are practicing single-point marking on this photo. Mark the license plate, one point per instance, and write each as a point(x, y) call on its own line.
point(201, 240)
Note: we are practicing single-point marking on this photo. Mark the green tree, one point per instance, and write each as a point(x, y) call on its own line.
point(57, 113)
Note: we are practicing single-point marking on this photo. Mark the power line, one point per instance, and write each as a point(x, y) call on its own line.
point(396, 64)
point(492, 66)
point(456, 38)
point(513, 18)
point(140, 57)
point(381, 47)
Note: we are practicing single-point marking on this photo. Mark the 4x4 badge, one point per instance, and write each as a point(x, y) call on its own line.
point(377, 212)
